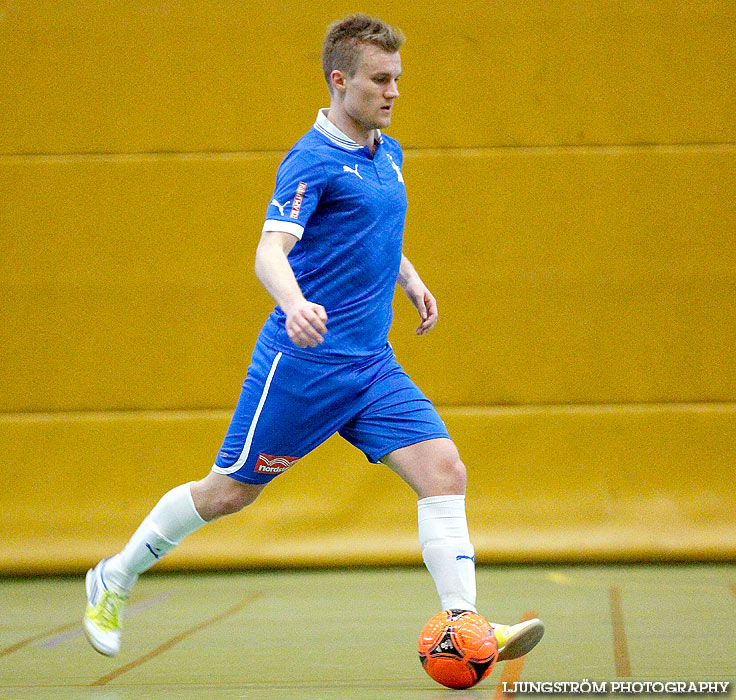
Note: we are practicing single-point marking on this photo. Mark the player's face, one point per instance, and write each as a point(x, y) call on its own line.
point(370, 93)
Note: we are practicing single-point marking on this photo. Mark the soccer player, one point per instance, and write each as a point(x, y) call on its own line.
point(330, 255)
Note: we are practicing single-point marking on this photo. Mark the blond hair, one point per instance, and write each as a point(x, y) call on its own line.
point(345, 37)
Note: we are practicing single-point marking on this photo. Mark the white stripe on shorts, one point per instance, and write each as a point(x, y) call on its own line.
point(253, 424)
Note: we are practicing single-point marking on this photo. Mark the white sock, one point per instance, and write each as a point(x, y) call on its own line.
point(446, 550)
point(171, 520)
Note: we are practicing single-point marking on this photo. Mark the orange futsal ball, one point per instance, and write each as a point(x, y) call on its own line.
point(457, 648)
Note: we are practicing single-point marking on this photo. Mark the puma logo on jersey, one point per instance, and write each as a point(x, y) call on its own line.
point(348, 169)
point(399, 176)
point(280, 206)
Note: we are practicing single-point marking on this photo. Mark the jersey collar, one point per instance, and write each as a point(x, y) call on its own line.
point(328, 129)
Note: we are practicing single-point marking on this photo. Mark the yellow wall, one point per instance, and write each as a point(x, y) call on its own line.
point(571, 170)
point(572, 483)
point(572, 276)
point(191, 76)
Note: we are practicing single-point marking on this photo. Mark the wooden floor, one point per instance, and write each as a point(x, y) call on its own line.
point(352, 634)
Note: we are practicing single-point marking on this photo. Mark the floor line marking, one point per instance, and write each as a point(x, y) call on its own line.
point(620, 645)
point(36, 637)
point(104, 680)
point(512, 669)
point(78, 632)
point(62, 632)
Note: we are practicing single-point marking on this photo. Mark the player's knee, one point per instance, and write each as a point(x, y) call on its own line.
point(229, 503)
point(448, 477)
point(215, 497)
point(456, 476)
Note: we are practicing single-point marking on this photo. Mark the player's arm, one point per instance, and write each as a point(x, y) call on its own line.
point(419, 295)
point(305, 321)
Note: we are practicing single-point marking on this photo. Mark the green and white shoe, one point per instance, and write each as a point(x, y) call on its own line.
point(104, 614)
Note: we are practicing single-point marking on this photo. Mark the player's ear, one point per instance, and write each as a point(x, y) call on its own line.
point(338, 82)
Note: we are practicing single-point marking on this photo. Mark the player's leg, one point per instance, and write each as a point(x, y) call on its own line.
point(431, 467)
point(434, 470)
point(253, 452)
point(399, 426)
point(179, 513)
point(402, 429)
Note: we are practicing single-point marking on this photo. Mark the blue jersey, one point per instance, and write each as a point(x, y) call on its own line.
point(346, 207)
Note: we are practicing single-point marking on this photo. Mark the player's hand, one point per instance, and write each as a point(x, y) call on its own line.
point(306, 324)
point(426, 305)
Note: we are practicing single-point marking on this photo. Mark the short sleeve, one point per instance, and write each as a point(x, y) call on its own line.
point(299, 184)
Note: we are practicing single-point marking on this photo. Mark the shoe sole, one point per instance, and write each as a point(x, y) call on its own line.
point(105, 651)
point(523, 641)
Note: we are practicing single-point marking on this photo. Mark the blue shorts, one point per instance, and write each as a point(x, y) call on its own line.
point(289, 406)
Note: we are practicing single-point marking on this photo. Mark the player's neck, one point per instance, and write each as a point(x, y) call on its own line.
point(356, 131)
